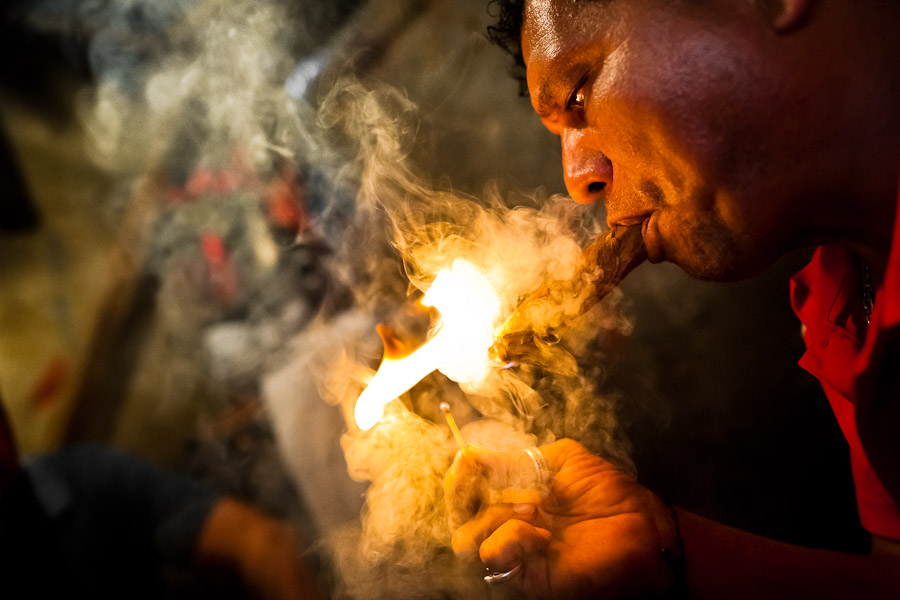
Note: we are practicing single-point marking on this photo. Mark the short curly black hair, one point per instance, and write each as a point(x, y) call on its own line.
point(506, 32)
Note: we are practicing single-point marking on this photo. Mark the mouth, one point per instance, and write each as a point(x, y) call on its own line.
point(653, 239)
point(629, 221)
point(649, 231)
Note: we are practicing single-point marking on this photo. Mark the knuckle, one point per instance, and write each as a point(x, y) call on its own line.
point(569, 445)
point(563, 449)
point(459, 542)
point(502, 548)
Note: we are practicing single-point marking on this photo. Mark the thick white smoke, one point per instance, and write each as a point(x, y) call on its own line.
point(518, 241)
point(212, 99)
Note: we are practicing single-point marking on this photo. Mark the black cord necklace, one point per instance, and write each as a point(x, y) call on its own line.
point(868, 292)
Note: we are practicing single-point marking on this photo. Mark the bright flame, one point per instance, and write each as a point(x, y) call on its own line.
point(469, 309)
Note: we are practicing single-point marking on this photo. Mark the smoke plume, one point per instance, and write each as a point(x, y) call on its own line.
point(196, 123)
point(519, 241)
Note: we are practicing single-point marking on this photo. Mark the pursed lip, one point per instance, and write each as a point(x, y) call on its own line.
point(653, 239)
point(627, 220)
point(649, 231)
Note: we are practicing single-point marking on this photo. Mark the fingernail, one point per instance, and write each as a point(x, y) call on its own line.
point(523, 508)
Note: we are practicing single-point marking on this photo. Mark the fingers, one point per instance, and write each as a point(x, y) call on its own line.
point(500, 470)
point(465, 488)
point(521, 497)
point(562, 450)
point(480, 477)
point(515, 542)
point(468, 538)
point(506, 469)
point(465, 466)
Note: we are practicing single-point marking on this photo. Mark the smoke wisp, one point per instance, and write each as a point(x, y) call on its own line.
point(285, 229)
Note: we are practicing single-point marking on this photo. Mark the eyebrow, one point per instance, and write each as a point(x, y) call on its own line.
point(543, 100)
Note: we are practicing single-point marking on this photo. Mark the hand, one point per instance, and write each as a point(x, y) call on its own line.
point(261, 549)
point(271, 565)
point(592, 530)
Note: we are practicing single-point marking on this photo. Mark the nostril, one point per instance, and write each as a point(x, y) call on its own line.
point(596, 187)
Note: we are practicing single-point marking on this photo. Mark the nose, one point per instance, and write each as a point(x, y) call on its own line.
point(587, 171)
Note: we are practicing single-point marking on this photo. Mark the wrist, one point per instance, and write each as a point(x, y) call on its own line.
point(671, 547)
point(675, 559)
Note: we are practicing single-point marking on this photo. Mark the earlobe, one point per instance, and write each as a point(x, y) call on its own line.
point(785, 15)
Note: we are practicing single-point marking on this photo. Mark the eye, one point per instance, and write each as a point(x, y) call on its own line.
point(576, 100)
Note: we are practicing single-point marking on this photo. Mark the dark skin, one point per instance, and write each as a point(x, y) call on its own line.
point(588, 500)
point(599, 533)
point(732, 131)
point(262, 550)
point(701, 122)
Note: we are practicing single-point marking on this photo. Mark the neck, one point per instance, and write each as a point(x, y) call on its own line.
point(869, 227)
point(859, 208)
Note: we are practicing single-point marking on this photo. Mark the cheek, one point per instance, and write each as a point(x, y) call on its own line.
point(648, 123)
point(620, 110)
point(696, 97)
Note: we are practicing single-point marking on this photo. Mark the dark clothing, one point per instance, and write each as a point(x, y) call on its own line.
point(9, 466)
point(100, 524)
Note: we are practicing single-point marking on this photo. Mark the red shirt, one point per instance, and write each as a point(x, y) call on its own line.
point(851, 358)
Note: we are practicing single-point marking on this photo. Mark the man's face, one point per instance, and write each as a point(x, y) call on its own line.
point(664, 110)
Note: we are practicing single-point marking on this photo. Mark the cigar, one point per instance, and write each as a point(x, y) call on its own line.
point(606, 262)
point(617, 254)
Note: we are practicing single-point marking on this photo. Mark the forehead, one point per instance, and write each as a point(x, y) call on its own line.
point(557, 37)
point(547, 24)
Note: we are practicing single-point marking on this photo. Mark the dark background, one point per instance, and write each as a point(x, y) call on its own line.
point(721, 419)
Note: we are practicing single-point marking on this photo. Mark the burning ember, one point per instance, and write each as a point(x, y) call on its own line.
point(458, 347)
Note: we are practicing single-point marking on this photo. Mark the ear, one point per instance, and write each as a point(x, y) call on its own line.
point(785, 15)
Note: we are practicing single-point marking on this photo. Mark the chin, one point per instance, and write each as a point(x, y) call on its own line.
point(706, 250)
point(715, 273)
point(721, 264)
